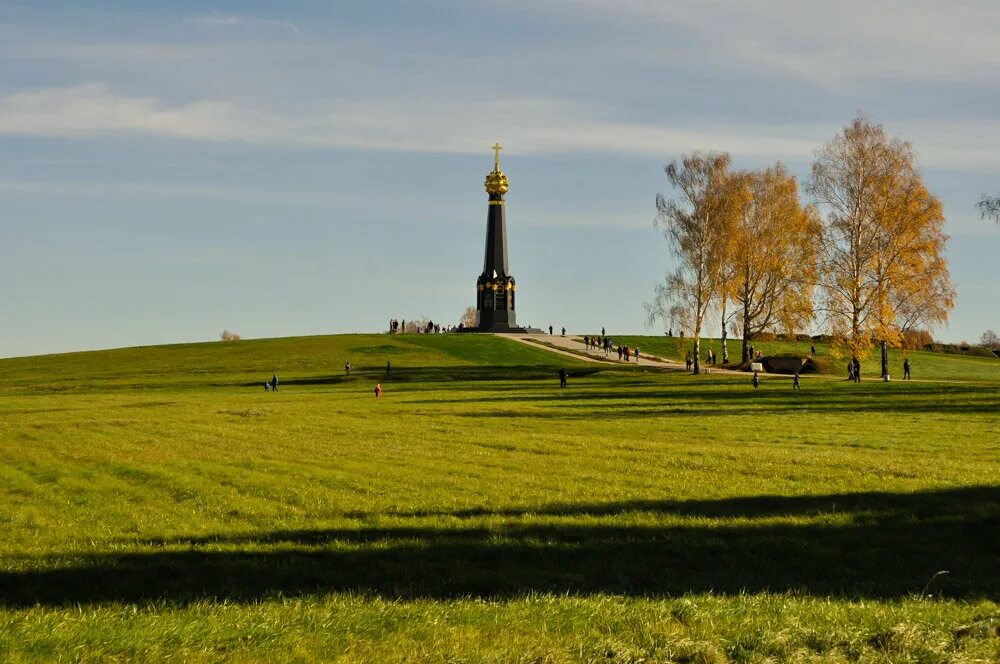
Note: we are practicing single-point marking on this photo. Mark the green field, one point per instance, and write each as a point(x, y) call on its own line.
point(157, 504)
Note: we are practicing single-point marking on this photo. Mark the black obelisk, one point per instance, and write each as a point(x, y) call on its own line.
point(495, 288)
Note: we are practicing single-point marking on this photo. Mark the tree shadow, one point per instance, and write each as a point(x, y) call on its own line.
point(657, 400)
point(434, 374)
point(885, 546)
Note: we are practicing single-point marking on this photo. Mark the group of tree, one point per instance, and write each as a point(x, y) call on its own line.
point(865, 256)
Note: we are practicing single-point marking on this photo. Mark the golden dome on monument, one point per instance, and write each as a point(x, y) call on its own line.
point(496, 181)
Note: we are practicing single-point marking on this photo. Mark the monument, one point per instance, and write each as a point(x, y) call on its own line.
point(496, 289)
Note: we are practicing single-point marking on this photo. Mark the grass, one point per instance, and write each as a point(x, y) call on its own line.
point(925, 364)
point(157, 504)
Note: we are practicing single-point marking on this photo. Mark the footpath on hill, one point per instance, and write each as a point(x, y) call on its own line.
point(572, 346)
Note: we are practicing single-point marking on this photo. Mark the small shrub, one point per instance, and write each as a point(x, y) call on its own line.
point(765, 336)
point(229, 336)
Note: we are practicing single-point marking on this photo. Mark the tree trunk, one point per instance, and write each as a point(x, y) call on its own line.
point(746, 333)
point(697, 355)
point(725, 349)
point(885, 359)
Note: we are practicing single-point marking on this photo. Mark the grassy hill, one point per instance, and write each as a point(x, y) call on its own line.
point(252, 361)
point(157, 504)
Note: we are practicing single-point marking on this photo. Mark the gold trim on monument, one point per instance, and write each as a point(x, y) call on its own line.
point(495, 202)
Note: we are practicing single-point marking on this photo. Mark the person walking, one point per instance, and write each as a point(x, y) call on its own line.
point(755, 381)
point(906, 369)
point(388, 367)
point(550, 330)
point(378, 390)
point(564, 331)
point(562, 377)
point(274, 383)
point(637, 355)
point(857, 370)
point(795, 382)
point(812, 350)
point(603, 332)
point(347, 368)
point(687, 361)
point(619, 353)
point(586, 341)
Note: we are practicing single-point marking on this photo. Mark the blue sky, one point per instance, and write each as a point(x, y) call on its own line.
point(171, 170)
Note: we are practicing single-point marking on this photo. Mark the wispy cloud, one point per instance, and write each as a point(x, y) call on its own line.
point(217, 20)
point(833, 44)
point(528, 125)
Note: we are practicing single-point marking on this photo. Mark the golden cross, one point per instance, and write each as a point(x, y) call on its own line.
point(496, 159)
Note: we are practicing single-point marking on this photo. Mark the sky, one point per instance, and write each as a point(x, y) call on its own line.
point(171, 170)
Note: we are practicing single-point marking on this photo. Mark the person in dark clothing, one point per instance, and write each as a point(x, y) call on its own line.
point(347, 368)
point(795, 382)
point(267, 386)
point(812, 350)
point(755, 381)
point(586, 341)
point(637, 355)
point(850, 371)
point(857, 371)
point(550, 329)
point(564, 331)
point(906, 369)
point(562, 377)
point(274, 383)
point(603, 332)
point(388, 367)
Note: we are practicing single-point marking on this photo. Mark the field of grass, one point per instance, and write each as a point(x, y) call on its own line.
point(156, 504)
point(925, 364)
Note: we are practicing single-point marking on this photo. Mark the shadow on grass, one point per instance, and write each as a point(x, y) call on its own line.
point(436, 375)
point(658, 400)
point(891, 546)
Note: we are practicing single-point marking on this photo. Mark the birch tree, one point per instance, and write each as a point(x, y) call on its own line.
point(774, 255)
point(883, 244)
point(696, 224)
point(989, 207)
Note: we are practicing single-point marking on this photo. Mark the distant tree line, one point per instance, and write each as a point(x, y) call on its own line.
point(865, 257)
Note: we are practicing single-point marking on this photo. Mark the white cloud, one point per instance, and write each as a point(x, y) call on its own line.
point(452, 125)
point(216, 20)
point(448, 126)
point(834, 44)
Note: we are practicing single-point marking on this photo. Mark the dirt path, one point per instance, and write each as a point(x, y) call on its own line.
point(573, 347)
